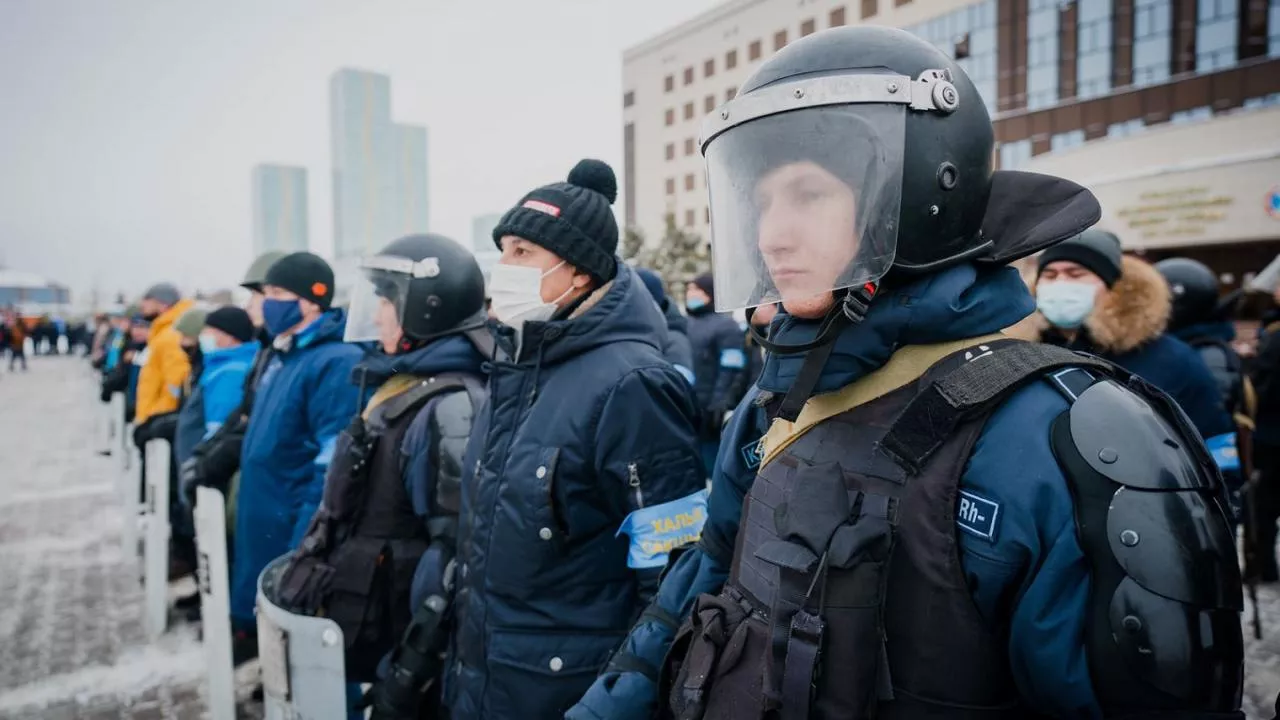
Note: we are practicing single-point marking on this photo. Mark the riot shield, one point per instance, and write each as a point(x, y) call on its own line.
point(156, 538)
point(303, 667)
point(210, 516)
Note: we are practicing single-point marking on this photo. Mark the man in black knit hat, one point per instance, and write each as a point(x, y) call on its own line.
point(303, 401)
point(589, 423)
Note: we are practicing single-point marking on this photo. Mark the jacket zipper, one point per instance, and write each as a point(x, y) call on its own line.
point(633, 476)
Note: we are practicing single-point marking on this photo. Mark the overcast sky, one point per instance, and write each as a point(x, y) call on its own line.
point(128, 128)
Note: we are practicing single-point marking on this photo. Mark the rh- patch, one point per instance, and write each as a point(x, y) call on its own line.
point(977, 515)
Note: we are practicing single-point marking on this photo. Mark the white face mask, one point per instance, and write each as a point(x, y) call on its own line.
point(1066, 303)
point(516, 292)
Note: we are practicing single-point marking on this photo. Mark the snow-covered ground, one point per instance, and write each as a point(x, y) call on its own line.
point(72, 643)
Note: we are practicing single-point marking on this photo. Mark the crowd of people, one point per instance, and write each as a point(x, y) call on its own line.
point(559, 494)
point(48, 335)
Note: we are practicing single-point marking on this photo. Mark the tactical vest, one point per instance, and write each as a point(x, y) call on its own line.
point(847, 597)
point(357, 561)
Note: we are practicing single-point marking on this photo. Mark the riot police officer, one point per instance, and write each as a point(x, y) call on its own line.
point(375, 554)
point(939, 521)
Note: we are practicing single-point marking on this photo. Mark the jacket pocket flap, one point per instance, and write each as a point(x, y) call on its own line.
point(554, 654)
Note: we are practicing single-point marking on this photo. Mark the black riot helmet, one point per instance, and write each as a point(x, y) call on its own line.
point(1195, 291)
point(434, 285)
point(854, 155)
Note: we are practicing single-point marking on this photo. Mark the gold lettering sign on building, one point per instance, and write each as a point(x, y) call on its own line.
point(1185, 213)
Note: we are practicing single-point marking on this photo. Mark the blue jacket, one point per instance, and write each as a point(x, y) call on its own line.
point(1031, 579)
point(304, 399)
point(217, 394)
point(420, 447)
point(719, 359)
point(589, 423)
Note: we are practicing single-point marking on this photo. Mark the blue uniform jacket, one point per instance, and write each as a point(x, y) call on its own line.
point(304, 399)
point(588, 424)
point(216, 394)
point(719, 359)
point(1029, 578)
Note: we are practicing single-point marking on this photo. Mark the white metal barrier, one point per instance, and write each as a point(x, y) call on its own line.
point(129, 483)
point(106, 425)
point(210, 516)
point(303, 668)
point(156, 538)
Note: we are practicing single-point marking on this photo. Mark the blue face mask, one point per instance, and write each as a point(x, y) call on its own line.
point(1066, 304)
point(695, 304)
point(209, 344)
point(279, 316)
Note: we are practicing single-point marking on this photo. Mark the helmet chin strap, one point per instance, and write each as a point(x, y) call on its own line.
point(849, 309)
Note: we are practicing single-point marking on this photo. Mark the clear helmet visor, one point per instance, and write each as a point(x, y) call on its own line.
point(378, 297)
point(804, 202)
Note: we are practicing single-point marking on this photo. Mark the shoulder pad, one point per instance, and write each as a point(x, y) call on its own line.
point(453, 415)
point(1122, 437)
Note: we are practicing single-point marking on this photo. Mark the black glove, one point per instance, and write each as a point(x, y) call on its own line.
point(141, 434)
point(188, 480)
point(391, 700)
point(163, 426)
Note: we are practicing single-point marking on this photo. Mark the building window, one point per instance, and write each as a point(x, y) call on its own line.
point(836, 18)
point(806, 27)
point(1126, 128)
point(629, 99)
point(968, 35)
point(731, 60)
point(1093, 50)
point(688, 76)
point(688, 218)
point(1204, 112)
point(688, 182)
point(671, 151)
point(779, 40)
point(1066, 140)
point(1273, 29)
point(1217, 34)
point(671, 186)
point(1042, 54)
point(688, 146)
point(1014, 155)
point(869, 8)
point(900, 3)
point(709, 68)
point(688, 111)
point(670, 117)
point(730, 94)
point(669, 83)
point(1152, 41)
point(709, 103)
point(753, 51)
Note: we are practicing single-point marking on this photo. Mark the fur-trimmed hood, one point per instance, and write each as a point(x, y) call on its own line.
point(1133, 313)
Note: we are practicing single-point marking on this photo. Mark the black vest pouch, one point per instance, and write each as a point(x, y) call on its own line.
point(359, 602)
point(709, 649)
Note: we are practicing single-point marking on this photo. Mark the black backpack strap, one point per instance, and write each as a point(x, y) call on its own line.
point(974, 388)
point(416, 396)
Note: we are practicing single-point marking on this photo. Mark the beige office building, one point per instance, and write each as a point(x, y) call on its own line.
point(1168, 109)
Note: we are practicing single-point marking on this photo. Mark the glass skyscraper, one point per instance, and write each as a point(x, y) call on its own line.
point(379, 167)
point(279, 208)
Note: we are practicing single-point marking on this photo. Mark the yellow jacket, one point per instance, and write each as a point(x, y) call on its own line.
point(167, 367)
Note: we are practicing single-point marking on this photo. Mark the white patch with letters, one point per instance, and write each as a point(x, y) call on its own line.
point(977, 515)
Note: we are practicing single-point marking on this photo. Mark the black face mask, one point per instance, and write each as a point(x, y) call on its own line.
point(150, 317)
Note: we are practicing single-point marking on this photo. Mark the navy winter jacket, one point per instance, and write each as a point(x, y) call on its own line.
point(1028, 574)
point(304, 399)
point(719, 359)
point(589, 423)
